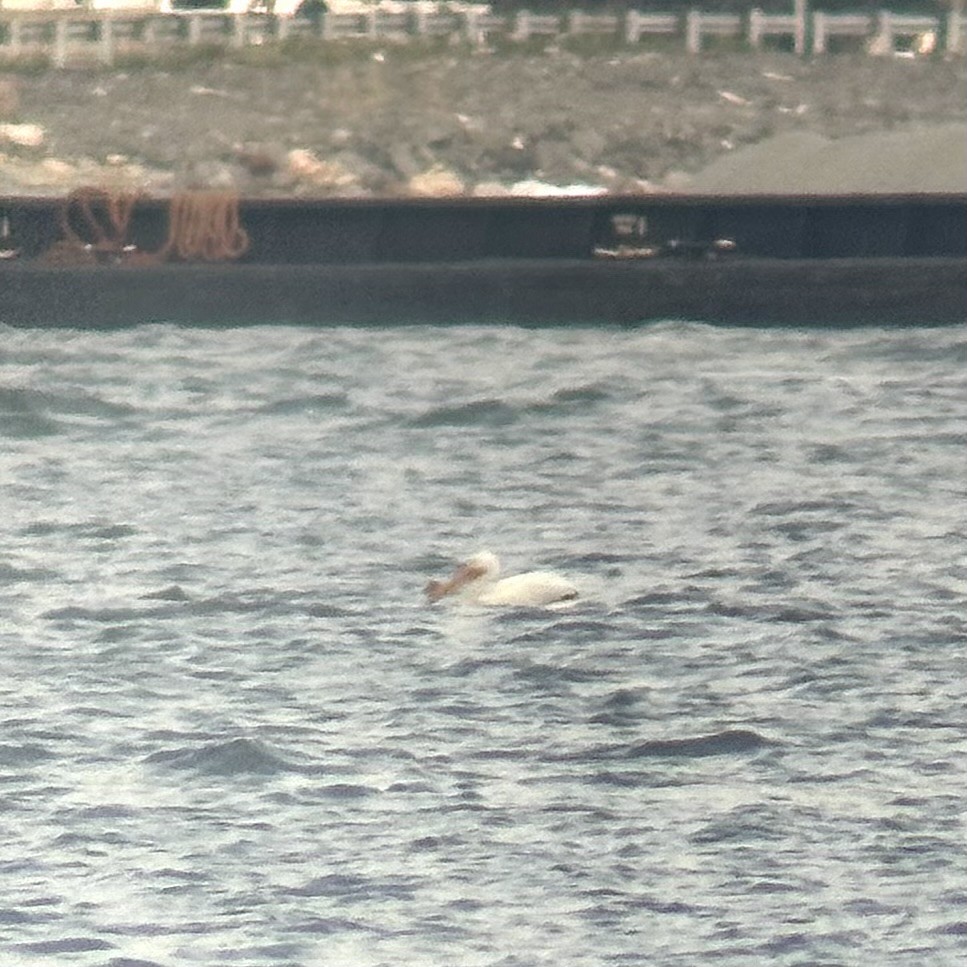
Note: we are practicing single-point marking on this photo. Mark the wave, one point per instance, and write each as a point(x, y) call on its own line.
point(13, 575)
point(726, 742)
point(265, 600)
point(552, 677)
point(782, 508)
point(573, 398)
point(486, 412)
point(83, 530)
point(174, 601)
point(729, 742)
point(788, 613)
point(349, 886)
point(228, 758)
point(22, 419)
point(491, 411)
point(755, 823)
point(28, 413)
point(23, 755)
point(76, 612)
point(622, 708)
point(173, 592)
point(67, 945)
point(591, 558)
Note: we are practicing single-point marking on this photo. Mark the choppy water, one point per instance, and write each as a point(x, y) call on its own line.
point(233, 733)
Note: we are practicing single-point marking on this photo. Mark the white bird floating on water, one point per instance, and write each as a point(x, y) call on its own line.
point(475, 582)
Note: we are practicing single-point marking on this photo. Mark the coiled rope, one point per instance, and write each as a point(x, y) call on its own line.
point(95, 222)
point(205, 226)
point(104, 216)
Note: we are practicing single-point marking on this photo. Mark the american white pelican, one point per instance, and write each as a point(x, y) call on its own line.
point(475, 582)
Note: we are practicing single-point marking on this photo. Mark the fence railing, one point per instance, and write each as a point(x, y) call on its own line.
point(66, 38)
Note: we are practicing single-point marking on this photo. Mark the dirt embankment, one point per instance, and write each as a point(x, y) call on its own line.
point(387, 122)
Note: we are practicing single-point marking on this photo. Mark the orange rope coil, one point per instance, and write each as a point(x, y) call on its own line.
point(205, 226)
point(202, 226)
point(94, 223)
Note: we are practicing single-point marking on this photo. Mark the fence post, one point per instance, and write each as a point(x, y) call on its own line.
point(522, 25)
point(801, 30)
point(955, 29)
point(884, 31)
point(471, 28)
point(194, 29)
point(632, 27)
point(281, 28)
point(693, 32)
point(14, 36)
point(238, 30)
point(819, 32)
point(418, 20)
point(149, 32)
point(60, 42)
point(755, 28)
point(106, 46)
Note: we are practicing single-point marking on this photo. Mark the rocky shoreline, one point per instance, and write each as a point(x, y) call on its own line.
point(388, 121)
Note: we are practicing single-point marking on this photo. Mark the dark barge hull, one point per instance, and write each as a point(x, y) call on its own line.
point(898, 260)
point(844, 292)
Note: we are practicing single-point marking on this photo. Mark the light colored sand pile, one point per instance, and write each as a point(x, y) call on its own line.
point(916, 158)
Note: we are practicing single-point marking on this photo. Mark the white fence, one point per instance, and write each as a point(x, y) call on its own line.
point(71, 37)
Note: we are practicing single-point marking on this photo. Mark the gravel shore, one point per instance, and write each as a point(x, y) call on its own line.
point(388, 121)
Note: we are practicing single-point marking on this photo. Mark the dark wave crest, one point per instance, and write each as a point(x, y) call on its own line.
point(727, 742)
point(28, 413)
point(486, 412)
point(228, 758)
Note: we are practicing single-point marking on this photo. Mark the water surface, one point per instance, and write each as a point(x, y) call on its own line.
point(233, 732)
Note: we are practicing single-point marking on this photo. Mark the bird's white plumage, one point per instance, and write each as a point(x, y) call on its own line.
point(477, 582)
